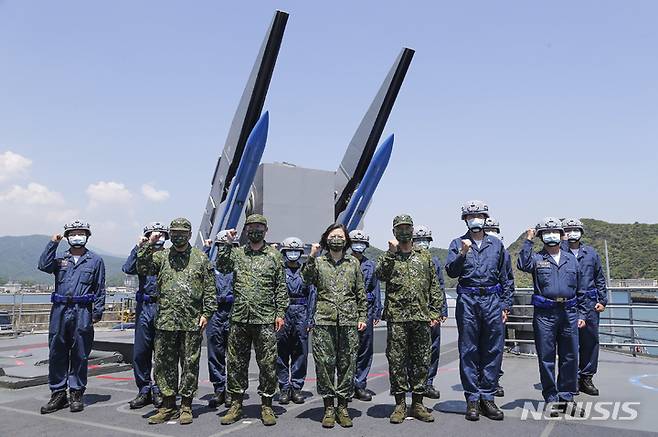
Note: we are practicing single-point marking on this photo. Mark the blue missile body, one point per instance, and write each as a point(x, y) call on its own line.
point(363, 195)
point(244, 176)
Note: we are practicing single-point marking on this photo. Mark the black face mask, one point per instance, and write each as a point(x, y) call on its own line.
point(404, 236)
point(180, 240)
point(256, 236)
point(336, 244)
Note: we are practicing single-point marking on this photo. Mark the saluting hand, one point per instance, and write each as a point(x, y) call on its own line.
point(57, 238)
point(154, 237)
point(315, 249)
point(141, 241)
point(231, 235)
point(393, 245)
point(531, 233)
point(466, 246)
point(278, 324)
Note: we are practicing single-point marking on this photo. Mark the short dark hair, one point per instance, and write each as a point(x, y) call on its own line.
point(331, 228)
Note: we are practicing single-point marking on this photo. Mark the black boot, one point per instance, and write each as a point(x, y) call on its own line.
point(362, 395)
point(142, 400)
point(472, 411)
point(217, 399)
point(284, 397)
point(586, 386)
point(156, 396)
point(499, 392)
point(75, 403)
point(58, 400)
point(431, 392)
point(490, 409)
point(297, 397)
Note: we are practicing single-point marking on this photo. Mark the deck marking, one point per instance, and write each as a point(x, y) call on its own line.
point(637, 380)
point(547, 431)
point(82, 422)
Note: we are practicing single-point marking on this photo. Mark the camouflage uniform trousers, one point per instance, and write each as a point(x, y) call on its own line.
point(334, 352)
point(240, 338)
point(408, 352)
point(170, 349)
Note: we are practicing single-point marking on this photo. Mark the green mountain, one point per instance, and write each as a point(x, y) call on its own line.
point(633, 249)
point(21, 256)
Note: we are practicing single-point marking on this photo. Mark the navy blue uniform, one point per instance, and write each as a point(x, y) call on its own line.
point(217, 329)
point(558, 304)
point(436, 330)
point(592, 283)
point(145, 313)
point(374, 311)
point(483, 292)
point(292, 340)
point(78, 301)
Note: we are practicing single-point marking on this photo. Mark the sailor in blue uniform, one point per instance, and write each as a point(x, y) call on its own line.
point(77, 303)
point(423, 239)
point(292, 340)
point(483, 296)
point(218, 327)
point(145, 312)
point(559, 310)
point(360, 242)
point(592, 283)
point(492, 227)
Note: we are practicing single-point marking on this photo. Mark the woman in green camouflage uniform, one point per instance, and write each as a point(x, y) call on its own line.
point(338, 311)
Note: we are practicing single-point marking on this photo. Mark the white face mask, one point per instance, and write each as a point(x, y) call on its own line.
point(358, 247)
point(551, 238)
point(475, 224)
point(77, 240)
point(423, 244)
point(574, 235)
point(293, 255)
point(160, 242)
point(495, 235)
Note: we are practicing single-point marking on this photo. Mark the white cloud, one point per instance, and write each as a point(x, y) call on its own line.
point(102, 193)
point(154, 195)
point(33, 194)
point(13, 165)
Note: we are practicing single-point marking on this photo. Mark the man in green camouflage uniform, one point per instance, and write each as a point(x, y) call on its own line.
point(185, 304)
point(413, 305)
point(259, 306)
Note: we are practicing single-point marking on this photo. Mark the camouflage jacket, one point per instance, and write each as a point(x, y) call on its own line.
point(260, 294)
point(412, 290)
point(341, 297)
point(187, 286)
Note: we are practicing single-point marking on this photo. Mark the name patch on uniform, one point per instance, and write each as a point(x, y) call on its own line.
point(62, 263)
point(543, 264)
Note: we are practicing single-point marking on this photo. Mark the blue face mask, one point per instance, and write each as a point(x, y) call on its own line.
point(160, 243)
point(77, 241)
point(551, 238)
point(423, 244)
point(293, 255)
point(475, 224)
point(358, 247)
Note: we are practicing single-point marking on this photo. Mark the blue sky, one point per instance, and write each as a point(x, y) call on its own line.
point(116, 111)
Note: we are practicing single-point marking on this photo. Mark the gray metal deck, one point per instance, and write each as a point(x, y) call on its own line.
point(621, 378)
